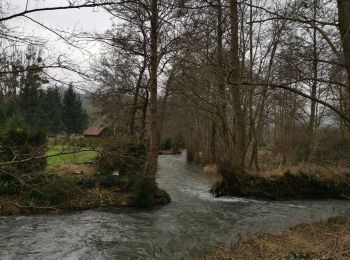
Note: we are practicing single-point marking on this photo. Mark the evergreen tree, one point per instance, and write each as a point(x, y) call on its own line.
point(54, 110)
point(74, 117)
point(30, 95)
point(41, 118)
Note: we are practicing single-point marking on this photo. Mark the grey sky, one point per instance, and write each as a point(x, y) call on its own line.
point(85, 19)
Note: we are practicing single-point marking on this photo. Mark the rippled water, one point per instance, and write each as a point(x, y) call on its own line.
point(192, 224)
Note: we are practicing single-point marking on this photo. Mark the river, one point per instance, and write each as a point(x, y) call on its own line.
point(193, 224)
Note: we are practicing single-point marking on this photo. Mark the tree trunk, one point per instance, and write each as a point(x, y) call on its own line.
point(144, 116)
point(240, 131)
point(344, 27)
point(139, 82)
point(312, 121)
point(136, 97)
point(221, 71)
point(154, 140)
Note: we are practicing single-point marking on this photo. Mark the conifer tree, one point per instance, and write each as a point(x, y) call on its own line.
point(30, 95)
point(74, 117)
point(53, 104)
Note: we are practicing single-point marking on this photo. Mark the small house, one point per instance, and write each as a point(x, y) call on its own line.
point(97, 132)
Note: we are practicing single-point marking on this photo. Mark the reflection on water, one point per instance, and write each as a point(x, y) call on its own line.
point(193, 223)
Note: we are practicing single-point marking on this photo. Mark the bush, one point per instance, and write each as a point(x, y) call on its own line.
point(49, 189)
point(88, 184)
point(332, 147)
point(129, 158)
point(108, 180)
point(17, 142)
point(9, 187)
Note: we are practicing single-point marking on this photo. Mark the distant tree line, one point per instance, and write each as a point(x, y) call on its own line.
point(26, 99)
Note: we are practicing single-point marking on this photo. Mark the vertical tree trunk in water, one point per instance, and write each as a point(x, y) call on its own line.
point(240, 132)
point(154, 140)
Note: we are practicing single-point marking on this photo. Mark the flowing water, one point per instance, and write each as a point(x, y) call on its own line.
point(193, 224)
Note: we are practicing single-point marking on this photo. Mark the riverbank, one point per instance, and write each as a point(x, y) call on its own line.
point(323, 240)
point(74, 188)
point(294, 183)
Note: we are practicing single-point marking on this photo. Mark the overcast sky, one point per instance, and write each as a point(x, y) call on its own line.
point(85, 19)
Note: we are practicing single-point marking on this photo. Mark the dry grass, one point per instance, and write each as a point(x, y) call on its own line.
point(326, 172)
point(211, 169)
point(324, 240)
point(75, 169)
point(270, 163)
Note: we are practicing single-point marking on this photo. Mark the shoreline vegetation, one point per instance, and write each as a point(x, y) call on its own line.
point(328, 239)
point(295, 183)
point(111, 175)
point(303, 181)
point(72, 188)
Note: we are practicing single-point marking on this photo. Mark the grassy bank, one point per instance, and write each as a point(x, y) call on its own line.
point(74, 158)
point(324, 240)
point(294, 183)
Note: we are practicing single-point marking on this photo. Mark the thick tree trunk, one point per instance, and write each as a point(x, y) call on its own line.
point(344, 27)
point(153, 87)
point(240, 131)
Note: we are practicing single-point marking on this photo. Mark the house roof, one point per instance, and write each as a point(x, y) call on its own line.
point(94, 131)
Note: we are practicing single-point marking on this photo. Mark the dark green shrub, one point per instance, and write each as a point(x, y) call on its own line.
point(127, 181)
point(8, 186)
point(108, 180)
point(17, 142)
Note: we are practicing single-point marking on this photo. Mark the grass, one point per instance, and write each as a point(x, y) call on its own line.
point(323, 240)
point(75, 158)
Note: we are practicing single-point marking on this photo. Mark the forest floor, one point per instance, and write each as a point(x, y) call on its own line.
point(323, 240)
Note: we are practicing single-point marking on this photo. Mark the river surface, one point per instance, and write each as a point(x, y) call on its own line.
point(193, 224)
